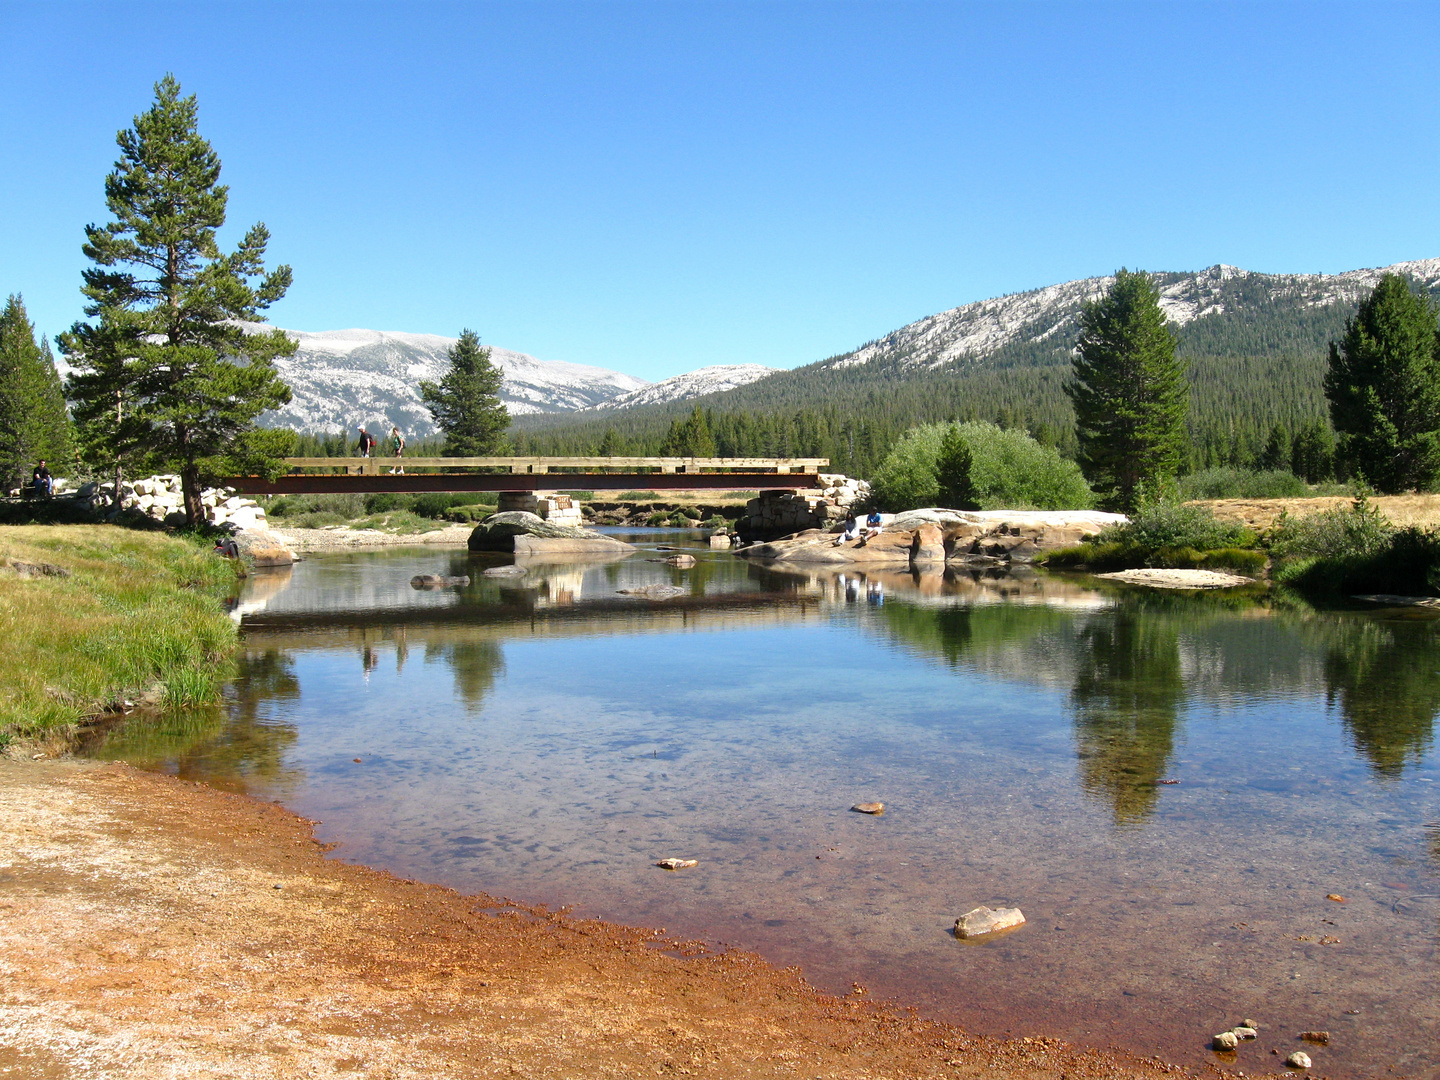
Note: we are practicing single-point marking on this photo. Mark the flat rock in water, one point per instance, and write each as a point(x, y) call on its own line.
point(1178, 579)
point(518, 531)
point(506, 571)
point(1321, 1038)
point(984, 920)
point(1391, 600)
point(653, 592)
point(682, 561)
point(869, 807)
point(677, 864)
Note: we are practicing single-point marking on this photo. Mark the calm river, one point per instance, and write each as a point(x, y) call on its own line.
point(1169, 786)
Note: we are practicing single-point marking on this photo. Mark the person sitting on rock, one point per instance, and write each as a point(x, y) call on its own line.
point(851, 530)
point(872, 524)
point(40, 479)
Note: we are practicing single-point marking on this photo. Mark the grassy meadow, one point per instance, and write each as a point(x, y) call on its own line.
point(139, 616)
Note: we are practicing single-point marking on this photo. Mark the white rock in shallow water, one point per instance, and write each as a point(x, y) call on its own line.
point(1244, 1031)
point(984, 920)
point(1226, 1040)
point(676, 864)
point(1298, 1060)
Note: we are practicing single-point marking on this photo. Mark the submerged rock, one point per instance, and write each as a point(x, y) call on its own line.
point(1298, 1060)
point(984, 920)
point(869, 807)
point(522, 532)
point(437, 581)
point(1245, 1031)
point(506, 571)
point(653, 592)
point(677, 864)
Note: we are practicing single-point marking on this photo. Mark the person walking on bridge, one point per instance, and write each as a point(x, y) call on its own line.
point(397, 444)
point(367, 443)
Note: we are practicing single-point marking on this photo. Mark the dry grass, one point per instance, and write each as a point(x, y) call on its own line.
point(139, 615)
point(1260, 514)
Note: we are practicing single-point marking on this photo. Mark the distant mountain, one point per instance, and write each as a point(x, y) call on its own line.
point(693, 384)
point(1042, 324)
point(1255, 345)
point(345, 378)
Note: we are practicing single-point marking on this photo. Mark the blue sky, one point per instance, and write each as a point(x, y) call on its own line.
point(654, 187)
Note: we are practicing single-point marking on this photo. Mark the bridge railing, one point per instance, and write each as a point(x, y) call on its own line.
point(373, 466)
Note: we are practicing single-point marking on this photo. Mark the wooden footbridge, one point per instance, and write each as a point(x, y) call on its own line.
point(322, 475)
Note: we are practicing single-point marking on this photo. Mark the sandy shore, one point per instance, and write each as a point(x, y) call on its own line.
point(341, 537)
point(151, 927)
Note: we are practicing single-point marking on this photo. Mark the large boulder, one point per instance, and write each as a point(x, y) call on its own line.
point(526, 533)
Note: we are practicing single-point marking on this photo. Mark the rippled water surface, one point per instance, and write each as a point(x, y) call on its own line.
point(1167, 785)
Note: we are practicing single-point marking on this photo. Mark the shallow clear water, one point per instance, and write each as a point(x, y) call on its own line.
point(1167, 785)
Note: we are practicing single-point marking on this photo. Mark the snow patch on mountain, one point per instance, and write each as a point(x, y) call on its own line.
point(692, 384)
point(976, 330)
point(347, 378)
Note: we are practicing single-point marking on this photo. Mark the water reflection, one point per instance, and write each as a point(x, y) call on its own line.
point(548, 734)
point(1126, 701)
point(1385, 678)
point(476, 665)
point(241, 747)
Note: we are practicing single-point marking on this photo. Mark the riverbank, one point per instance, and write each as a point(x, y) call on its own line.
point(158, 928)
point(340, 537)
point(93, 617)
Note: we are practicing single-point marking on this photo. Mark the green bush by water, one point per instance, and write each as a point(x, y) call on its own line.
point(1009, 471)
point(1355, 550)
point(1166, 535)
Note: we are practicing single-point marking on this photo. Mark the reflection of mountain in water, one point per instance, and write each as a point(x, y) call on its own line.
point(1126, 698)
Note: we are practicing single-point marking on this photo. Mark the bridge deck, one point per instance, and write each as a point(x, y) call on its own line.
point(366, 475)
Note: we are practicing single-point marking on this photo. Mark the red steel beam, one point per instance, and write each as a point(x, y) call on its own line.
point(318, 484)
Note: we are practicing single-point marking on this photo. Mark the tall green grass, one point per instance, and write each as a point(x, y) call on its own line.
point(140, 617)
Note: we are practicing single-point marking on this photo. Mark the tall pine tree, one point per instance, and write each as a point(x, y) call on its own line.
point(1384, 389)
point(33, 422)
point(466, 401)
point(165, 377)
point(1130, 393)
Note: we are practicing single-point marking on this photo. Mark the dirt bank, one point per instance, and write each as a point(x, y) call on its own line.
point(150, 927)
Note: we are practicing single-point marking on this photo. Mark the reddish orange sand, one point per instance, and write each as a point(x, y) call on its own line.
point(150, 927)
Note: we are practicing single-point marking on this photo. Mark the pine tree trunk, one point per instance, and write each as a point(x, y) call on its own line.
point(190, 486)
point(116, 502)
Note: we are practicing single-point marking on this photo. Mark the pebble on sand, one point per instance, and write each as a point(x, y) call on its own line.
point(869, 807)
point(1336, 897)
point(677, 864)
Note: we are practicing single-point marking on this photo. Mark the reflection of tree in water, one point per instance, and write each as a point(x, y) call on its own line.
point(476, 666)
point(1126, 697)
point(239, 747)
point(1386, 681)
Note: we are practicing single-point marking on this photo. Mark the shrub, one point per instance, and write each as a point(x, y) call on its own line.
point(464, 514)
point(1008, 470)
point(1123, 555)
point(385, 501)
point(1242, 484)
point(657, 519)
point(1356, 531)
point(1171, 525)
point(316, 520)
point(346, 507)
point(636, 496)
